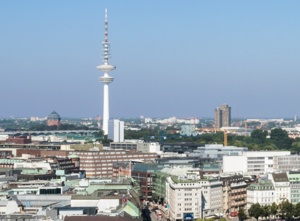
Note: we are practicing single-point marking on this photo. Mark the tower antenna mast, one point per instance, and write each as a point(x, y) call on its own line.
point(106, 79)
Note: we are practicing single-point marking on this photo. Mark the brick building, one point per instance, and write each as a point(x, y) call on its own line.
point(143, 173)
point(100, 163)
point(95, 163)
point(18, 139)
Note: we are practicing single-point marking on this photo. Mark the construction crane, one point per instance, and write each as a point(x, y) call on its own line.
point(225, 138)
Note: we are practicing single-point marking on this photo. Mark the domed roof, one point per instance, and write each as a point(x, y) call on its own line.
point(53, 116)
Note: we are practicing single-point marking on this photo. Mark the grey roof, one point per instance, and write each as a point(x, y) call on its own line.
point(280, 177)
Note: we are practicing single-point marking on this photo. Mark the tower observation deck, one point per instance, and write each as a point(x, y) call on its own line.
point(106, 79)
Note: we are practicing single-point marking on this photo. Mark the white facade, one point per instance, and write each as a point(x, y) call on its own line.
point(282, 187)
point(154, 147)
point(116, 130)
point(9, 207)
point(217, 151)
point(33, 165)
point(262, 192)
point(104, 205)
point(235, 164)
point(252, 162)
point(193, 198)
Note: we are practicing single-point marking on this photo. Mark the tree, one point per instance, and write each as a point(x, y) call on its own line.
point(266, 211)
point(287, 210)
point(297, 210)
point(255, 211)
point(259, 136)
point(273, 209)
point(242, 215)
point(280, 138)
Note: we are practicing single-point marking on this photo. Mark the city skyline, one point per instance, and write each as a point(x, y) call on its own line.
point(178, 60)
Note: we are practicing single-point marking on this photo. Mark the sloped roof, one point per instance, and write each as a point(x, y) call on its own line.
point(280, 177)
point(131, 209)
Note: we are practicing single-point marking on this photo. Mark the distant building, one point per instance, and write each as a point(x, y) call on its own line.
point(223, 116)
point(116, 130)
point(53, 119)
point(188, 130)
point(152, 147)
point(18, 139)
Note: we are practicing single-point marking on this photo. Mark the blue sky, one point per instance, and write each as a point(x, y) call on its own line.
point(173, 58)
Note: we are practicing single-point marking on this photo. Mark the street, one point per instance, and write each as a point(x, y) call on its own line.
point(149, 215)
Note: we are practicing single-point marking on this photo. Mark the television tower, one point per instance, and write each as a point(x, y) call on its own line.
point(106, 79)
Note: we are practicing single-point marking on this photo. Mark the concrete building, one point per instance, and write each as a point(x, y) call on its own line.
point(181, 147)
point(223, 116)
point(286, 163)
point(152, 147)
point(190, 197)
point(217, 151)
point(252, 162)
point(116, 130)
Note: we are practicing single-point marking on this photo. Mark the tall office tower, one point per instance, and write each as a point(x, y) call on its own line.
point(116, 130)
point(106, 79)
point(223, 116)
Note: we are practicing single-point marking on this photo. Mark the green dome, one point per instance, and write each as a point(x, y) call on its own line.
point(53, 116)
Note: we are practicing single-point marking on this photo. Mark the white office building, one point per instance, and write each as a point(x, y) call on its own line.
point(190, 197)
point(252, 162)
point(116, 130)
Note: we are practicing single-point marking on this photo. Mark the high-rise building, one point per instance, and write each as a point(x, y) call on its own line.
point(223, 116)
point(106, 79)
point(116, 130)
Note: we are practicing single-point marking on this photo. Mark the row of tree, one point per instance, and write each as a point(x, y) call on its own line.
point(284, 210)
point(277, 139)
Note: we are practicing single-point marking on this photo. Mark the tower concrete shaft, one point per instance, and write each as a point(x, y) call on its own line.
point(106, 79)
